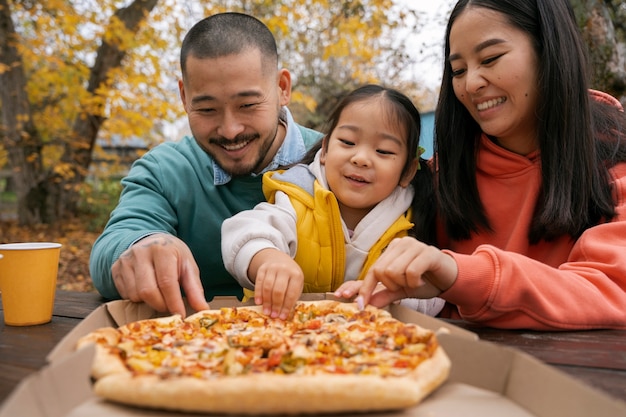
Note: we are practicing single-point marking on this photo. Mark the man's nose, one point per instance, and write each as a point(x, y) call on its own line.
point(230, 126)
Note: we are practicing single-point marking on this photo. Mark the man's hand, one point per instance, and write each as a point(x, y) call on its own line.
point(154, 269)
point(279, 281)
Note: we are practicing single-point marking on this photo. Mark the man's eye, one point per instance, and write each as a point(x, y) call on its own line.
point(248, 105)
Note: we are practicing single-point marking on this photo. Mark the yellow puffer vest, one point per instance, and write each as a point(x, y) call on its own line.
point(321, 249)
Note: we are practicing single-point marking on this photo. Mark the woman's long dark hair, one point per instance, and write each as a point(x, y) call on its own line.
point(579, 138)
point(402, 110)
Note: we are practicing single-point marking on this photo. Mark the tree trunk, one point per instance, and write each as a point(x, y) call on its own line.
point(19, 135)
point(603, 24)
point(45, 196)
point(63, 193)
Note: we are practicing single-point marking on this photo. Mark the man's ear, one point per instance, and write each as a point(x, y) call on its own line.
point(410, 173)
point(284, 86)
point(181, 89)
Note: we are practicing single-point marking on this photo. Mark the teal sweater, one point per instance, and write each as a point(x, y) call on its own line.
point(171, 189)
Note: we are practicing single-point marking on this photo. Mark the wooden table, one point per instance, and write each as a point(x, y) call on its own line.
point(596, 357)
point(23, 350)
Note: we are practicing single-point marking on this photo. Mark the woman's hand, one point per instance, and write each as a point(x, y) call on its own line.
point(408, 268)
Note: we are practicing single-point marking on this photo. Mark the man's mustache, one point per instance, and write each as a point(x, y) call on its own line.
point(221, 141)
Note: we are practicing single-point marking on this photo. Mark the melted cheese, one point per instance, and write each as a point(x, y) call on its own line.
point(231, 342)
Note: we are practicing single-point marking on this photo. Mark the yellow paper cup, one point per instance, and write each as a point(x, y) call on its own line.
point(28, 278)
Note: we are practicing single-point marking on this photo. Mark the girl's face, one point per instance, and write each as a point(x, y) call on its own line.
point(494, 70)
point(364, 157)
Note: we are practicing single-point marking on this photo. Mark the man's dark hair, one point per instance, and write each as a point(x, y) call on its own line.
point(227, 34)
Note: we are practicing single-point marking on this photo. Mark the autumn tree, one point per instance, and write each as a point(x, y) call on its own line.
point(65, 71)
point(75, 71)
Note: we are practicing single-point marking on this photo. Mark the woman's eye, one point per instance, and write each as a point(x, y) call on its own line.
point(457, 72)
point(491, 59)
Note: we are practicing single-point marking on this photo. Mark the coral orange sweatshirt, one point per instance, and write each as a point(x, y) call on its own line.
point(503, 281)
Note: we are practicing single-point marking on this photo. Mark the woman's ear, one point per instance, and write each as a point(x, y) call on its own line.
point(408, 175)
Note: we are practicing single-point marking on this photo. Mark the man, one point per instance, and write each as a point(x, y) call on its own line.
point(163, 238)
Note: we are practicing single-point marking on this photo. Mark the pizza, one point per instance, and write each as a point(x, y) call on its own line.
point(329, 356)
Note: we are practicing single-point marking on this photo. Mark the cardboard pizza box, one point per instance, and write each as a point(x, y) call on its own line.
point(486, 379)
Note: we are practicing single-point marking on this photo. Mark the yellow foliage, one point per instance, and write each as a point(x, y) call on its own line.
point(4, 157)
point(51, 154)
point(327, 45)
point(308, 101)
point(63, 170)
point(58, 43)
point(117, 34)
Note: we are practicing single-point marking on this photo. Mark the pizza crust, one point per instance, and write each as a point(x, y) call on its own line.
point(278, 394)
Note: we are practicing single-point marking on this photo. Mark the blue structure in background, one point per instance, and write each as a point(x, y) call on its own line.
point(427, 133)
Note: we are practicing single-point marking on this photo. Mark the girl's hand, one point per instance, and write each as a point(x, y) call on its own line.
point(348, 289)
point(279, 281)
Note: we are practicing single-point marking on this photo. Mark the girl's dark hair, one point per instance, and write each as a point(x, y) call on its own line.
point(579, 138)
point(401, 110)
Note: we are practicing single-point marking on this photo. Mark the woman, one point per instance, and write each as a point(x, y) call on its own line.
point(531, 180)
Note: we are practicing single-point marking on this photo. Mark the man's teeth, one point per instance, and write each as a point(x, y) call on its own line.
point(235, 147)
point(491, 103)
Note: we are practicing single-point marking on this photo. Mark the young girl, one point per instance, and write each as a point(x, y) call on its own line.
point(328, 221)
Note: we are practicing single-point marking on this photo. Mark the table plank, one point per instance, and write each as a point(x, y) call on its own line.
point(594, 348)
point(76, 304)
point(28, 345)
point(589, 348)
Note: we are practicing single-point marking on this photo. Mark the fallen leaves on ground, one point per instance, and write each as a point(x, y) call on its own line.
point(74, 258)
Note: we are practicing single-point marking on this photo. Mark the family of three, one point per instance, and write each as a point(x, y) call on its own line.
point(518, 221)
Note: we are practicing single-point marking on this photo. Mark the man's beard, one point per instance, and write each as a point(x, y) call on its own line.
point(243, 138)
